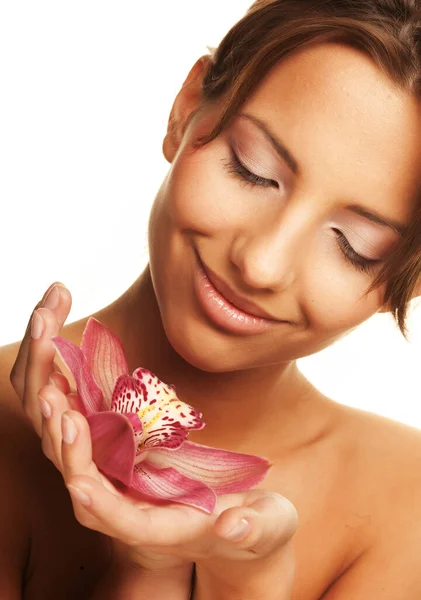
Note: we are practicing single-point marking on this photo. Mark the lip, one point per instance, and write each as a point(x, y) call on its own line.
point(227, 310)
point(245, 305)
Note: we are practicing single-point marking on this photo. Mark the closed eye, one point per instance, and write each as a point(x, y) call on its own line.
point(235, 167)
point(358, 261)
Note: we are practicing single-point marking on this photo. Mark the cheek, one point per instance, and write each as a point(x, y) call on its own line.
point(335, 300)
point(200, 196)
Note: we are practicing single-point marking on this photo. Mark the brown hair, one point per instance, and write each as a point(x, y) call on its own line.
point(389, 31)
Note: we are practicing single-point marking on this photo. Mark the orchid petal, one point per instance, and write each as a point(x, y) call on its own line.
point(89, 392)
point(171, 437)
point(166, 420)
point(224, 471)
point(158, 392)
point(113, 445)
point(168, 484)
point(127, 396)
point(136, 424)
point(105, 356)
point(129, 399)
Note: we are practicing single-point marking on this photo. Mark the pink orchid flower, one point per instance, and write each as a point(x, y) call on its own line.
point(139, 428)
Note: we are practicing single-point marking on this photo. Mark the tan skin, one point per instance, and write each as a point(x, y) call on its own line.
point(352, 476)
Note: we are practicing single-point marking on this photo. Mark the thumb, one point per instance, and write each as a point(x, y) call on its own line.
point(266, 522)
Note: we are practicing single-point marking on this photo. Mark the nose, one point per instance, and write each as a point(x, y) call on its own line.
point(269, 259)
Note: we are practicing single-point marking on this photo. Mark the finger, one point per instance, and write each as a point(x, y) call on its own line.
point(40, 362)
point(49, 300)
point(60, 381)
point(76, 450)
point(53, 403)
point(76, 447)
point(47, 446)
point(46, 407)
point(110, 513)
point(17, 373)
point(93, 504)
point(75, 402)
point(78, 465)
point(266, 522)
point(136, 524)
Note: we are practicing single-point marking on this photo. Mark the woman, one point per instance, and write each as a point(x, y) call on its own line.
point(290, 214)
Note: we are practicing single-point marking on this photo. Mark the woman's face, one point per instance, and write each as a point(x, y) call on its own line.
point(303, 244)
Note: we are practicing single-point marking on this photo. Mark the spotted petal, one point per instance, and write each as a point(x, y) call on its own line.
point(105, 356)
point(128, 396)
point(166, 420)
point(224, 471)
point(113, 445)
point(169, 484)
point(89, 392)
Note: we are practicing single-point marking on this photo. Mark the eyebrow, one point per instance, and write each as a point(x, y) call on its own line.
point(286, 155)
point(279, 147)
point(397, 226)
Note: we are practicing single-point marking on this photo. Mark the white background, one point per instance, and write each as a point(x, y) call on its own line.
point(86, 89)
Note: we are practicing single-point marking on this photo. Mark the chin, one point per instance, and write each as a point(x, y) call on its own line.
point(201, 348)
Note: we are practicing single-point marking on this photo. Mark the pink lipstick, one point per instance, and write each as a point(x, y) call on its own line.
point(224, 312)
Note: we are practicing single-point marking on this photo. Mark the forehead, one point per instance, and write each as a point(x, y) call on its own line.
point(349, 127)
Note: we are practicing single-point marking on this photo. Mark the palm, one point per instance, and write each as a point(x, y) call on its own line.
point(152, 529)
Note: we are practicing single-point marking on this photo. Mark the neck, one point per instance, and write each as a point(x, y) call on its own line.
point(261, 408)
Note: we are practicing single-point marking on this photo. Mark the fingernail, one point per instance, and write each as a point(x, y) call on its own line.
point(68, 429)
point(37, 326)
point(239, 531)
point(52, 298)
point(78, 495)
point(45, 407)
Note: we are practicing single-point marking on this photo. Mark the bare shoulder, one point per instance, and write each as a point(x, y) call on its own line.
point(381, 482)
point(393, 449)
point(382, 466)
point(384, 457)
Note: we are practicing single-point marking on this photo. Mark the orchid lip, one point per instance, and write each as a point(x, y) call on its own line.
point(241, 304)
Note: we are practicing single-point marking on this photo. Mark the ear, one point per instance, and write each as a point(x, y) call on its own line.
point(187, 100)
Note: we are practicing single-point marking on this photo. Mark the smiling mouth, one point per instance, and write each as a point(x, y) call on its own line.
point(230, 296)
point(224, 308)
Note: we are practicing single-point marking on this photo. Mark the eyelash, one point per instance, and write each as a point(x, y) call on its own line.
point(362, 264)
point(237, 169)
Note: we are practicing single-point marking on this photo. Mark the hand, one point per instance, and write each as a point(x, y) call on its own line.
point(35, 368)
point(266, 567)
point(152, 536)
point(157, 536)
